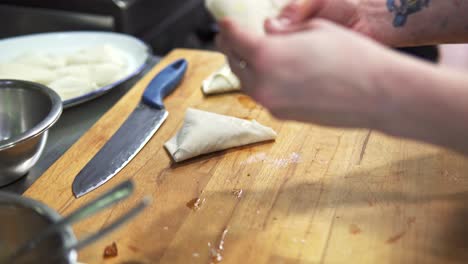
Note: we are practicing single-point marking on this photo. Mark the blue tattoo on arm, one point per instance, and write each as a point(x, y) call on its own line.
point(406, 8)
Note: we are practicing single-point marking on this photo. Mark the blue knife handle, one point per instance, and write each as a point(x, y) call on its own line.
point(164, 83)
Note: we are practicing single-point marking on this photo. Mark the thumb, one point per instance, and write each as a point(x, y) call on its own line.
point(299, 10)
point(292, 14)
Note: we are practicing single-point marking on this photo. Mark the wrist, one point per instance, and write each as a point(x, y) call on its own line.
point(380, 27)
point(400, 82)
point(425, 102)
point(432, 23)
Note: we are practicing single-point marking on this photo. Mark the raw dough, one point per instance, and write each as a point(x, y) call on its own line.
point(72, 74)
point(97, 54)
point(26, 72)
point(77, 71)
point(223, 80)
point(106, 73)
point(41, 59)
point(70, 87)
point(250, 14)
point(205, 132)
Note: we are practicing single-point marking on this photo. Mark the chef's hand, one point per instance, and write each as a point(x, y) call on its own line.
point(351, 14)
point(323, 74)
point(328, 75)
point(391, 22)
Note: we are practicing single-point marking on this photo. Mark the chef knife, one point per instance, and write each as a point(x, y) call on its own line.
point(135, 132)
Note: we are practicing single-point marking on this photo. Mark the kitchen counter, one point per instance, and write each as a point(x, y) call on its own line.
point(315, 195)
point(73, 123)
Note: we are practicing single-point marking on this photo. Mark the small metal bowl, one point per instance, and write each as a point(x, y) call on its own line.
point(27, 111)
point(21, 219)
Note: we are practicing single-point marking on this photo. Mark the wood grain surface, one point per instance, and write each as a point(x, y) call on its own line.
point(316, 195)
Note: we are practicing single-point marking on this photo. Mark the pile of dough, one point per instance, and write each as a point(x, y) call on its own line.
point(70, 87)
point(97, 54)
point(205, 132)
point(250, 14)
point(41, 59)
point(221, 81)
point(72, 74)
point(25, 72)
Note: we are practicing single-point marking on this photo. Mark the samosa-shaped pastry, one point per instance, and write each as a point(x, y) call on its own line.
point(205, 132)
point(221, 81)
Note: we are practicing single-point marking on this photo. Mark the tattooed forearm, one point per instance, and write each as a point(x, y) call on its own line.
point(404, 9)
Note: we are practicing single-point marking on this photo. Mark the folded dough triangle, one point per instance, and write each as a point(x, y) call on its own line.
point(250, 14)
point(205, 132)
point(221, 81)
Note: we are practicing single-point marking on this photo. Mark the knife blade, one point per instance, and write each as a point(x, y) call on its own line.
point(134, 133)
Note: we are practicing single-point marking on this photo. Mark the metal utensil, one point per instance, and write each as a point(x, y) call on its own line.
point(110, 198)
point(21, 218)
point(27, 111)
point(133, 135)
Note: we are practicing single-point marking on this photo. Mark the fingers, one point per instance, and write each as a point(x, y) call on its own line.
point(241, 42)
point(240, 47)
point(292, 16)
point(279, 25)
point(300, 10)
point(308, 25)
point(243, 72)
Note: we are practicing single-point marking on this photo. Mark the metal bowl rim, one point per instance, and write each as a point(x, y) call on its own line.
point(44, 211)
point(45, 124)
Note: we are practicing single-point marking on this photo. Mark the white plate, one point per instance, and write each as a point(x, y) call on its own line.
point(137, 53)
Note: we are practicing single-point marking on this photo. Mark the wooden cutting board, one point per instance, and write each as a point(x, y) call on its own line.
point(316, 195)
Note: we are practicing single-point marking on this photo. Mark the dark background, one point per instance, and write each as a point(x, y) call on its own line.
point(164, 25)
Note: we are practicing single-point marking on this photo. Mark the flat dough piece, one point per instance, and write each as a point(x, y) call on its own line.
point(70, 87)
point(26, 72)
point(221, 81)
point(106, 73)
point(41, 59)
point(76, 71)
point(70, 75)
point(205, 132)
point(97, 54)
point(251, 14)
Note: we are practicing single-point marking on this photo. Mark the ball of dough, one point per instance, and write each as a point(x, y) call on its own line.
point(250, 14)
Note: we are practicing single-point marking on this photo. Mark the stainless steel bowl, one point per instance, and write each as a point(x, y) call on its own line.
point(21, 219)
point(27, 111)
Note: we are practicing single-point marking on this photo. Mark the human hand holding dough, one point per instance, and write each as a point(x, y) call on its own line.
point(251, 14)
point(205, 132)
